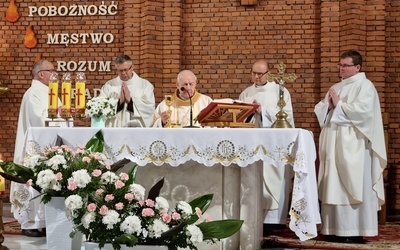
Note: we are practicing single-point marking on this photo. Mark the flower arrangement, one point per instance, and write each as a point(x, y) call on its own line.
point(59, 170)
point(101, 106)
point(110, 207)
point(118, 213)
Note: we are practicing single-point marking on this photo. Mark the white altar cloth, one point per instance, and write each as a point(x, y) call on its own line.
point(216, 147)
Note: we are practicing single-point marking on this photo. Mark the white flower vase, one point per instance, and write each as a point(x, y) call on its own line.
point(58, 227)
point(95, 246)
point(98, 122)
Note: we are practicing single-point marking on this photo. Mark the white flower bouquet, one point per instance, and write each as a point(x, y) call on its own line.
point(101, 106)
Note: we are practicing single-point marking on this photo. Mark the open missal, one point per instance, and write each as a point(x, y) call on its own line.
point(227, 113)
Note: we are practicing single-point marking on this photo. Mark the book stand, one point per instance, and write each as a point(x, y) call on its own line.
point(227, 115)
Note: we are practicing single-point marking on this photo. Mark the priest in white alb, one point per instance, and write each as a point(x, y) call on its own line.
point(277, 181)
point(352, 155)
point(33, 113)
point(136, 96)
point(179, 115)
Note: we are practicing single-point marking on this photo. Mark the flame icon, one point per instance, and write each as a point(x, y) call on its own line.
point(30, 40)
point(12, 14)
point(38, 57)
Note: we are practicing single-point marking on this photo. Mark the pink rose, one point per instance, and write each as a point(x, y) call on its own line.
point(103, 210)
point(108, 166)
point(124, 176)
point(29, 182)
point(150, 203)
point(147, 212)
point(95, 156)
point(129, 196)
point(176, 216)
point(72, 185)
point(119, 206)
point(96, 173)
point(99, 191)
point(166, 217)
point(119, 184)
point(141, 203)
point(59, 176)
point(86, 159)
point(198, 212)
point(91, 207)
point(109, 197)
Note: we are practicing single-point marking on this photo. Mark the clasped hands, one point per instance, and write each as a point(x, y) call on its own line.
point(333, 98)
point(124, 96)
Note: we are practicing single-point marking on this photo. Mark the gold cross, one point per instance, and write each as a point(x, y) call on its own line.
point(282, 78)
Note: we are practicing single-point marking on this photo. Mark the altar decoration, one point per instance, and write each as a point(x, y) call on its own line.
point(281, 79)
point(30, 40)
point(53, 96)
point(169, 101)
point(110, 207)
point(80, 91)
point(66, 95)
point(118, 213)
point(12, 14)
point(99, 108)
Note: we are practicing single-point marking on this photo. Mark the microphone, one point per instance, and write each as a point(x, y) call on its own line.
point(191, 109)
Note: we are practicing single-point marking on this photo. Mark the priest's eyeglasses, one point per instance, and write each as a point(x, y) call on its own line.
point(259, 74)
point(48, 70)
point(120, 71)
point(345, 65)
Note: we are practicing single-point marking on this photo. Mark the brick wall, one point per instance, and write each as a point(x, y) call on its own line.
point(219, 41)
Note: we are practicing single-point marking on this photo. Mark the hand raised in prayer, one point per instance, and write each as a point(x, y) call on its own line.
point(333, 97)
point(125, 95)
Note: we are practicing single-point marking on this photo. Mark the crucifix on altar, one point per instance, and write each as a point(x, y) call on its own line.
point(281, 78)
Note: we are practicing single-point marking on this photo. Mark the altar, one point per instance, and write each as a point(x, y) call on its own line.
point(224, 161)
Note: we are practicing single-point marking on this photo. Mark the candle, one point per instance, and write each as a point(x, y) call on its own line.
point(80, 95)
point(53, 95)
point(66, 95)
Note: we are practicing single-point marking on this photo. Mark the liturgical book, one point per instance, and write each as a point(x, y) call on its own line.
point(227, 113)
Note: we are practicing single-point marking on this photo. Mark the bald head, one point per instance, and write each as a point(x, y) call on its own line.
point(259, 72)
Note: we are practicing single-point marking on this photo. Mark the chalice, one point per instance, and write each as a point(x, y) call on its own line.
point(169, 101)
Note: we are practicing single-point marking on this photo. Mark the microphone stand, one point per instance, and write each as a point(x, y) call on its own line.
point(191, 110)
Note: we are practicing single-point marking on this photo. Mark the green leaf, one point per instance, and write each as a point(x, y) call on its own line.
point(16, 172)
point(220, 229)
point(202, 202)
point(96, 143)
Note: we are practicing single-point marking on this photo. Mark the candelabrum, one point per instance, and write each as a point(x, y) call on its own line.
point(281, 79)
point(169, 101)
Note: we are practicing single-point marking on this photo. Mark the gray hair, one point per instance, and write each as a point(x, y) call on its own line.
point(38, 66)
point(122, 58)
point(178, 78)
